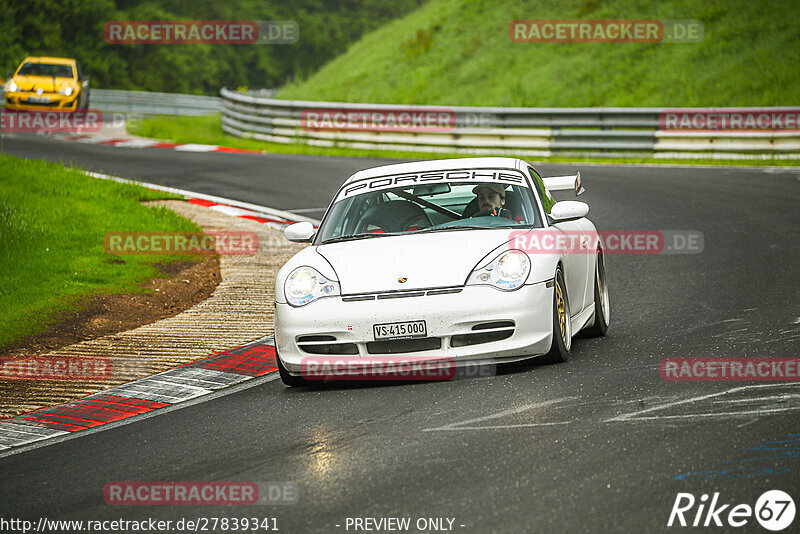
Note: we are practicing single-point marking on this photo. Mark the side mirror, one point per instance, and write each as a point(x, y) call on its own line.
point(568, 210)
point(301, 232)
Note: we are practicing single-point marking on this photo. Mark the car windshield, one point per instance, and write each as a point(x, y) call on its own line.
point(429, 207)
point(46, 69)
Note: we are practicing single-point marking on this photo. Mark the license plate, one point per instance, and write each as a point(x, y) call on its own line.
point(39, 100)
point(404, 330)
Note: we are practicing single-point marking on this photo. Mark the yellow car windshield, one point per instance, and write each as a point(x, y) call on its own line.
point(46, 69)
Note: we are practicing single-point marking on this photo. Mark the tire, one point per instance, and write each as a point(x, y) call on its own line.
point(286, 378)
point(562, 328)
point(602, 307)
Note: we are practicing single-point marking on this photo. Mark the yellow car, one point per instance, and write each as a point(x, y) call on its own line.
point(47, 83)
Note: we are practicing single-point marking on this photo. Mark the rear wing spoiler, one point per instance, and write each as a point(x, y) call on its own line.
point(563, 183)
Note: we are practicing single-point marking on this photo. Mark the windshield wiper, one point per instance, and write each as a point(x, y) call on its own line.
point(353, 237)
point(457, 227)
point(471, 227)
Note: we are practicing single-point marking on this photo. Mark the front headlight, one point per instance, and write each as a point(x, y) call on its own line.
point(508, 271)
point(11, 87)
point(306, 284)
point(66, 91)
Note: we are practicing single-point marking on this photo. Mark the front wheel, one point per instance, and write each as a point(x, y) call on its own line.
point(286, 378)
point(562, 326)
point(601, 304)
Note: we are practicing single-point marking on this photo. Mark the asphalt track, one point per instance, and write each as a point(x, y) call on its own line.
point(600, 444)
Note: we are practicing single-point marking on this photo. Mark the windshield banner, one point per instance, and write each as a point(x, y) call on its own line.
point(378, 183)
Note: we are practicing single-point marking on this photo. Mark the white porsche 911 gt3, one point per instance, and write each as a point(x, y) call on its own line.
point(445, 258)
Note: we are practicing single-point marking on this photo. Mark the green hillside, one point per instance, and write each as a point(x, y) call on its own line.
point(457, 52)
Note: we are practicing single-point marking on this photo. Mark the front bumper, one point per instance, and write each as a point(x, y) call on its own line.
point(58, 102)
point(450, 318)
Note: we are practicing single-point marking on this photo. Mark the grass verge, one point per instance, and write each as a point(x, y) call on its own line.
point(207, 130)
point(52, 224)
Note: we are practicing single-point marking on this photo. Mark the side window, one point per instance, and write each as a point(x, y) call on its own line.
point(345, 221)
point(547, 200)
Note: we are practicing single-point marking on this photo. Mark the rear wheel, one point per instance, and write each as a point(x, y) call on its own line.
point(562, 326)
point(601, 304)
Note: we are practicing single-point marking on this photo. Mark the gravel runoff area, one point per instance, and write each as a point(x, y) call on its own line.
point(240, 310)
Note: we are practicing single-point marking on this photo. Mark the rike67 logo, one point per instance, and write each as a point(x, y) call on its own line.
point(774, 510)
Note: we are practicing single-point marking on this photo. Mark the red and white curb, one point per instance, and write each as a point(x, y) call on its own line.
point(271, 217)
point(127, 142)
point(165, 389)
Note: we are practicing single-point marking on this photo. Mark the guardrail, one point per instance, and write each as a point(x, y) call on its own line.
point(541, 132)
point(148, 103)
